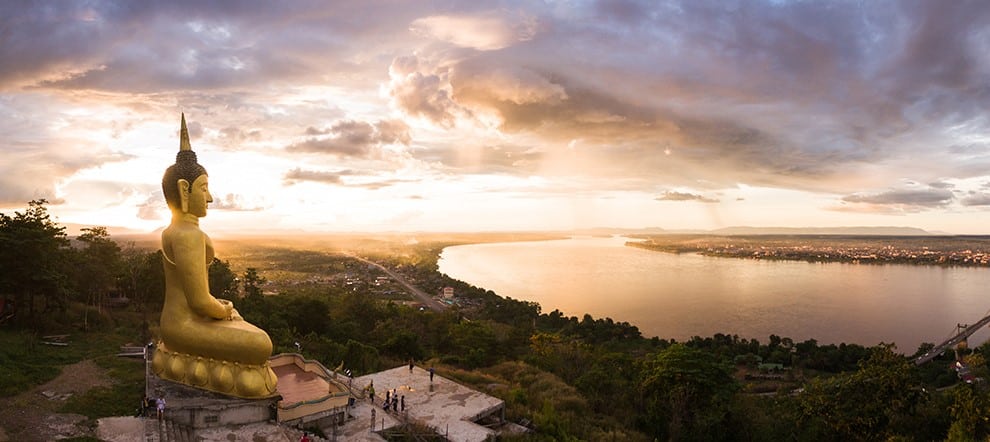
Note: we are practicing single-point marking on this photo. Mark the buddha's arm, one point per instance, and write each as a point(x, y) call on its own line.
point(189, 249)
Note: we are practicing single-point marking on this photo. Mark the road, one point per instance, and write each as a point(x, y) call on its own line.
point(420, 295)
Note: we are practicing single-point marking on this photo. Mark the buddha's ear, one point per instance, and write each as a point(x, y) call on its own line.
point(183, 186)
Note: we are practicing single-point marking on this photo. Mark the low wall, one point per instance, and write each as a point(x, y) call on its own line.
point(334, 402)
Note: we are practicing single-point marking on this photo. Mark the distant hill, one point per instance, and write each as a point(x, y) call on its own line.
point(74, 229)
point(598, 231)
point(866, 231)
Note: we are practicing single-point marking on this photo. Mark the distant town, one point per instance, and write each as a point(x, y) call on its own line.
point(970, 251)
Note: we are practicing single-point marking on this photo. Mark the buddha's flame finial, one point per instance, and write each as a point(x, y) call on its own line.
point(184, 136)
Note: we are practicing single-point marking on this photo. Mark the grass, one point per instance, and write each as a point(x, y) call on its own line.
point(123, 398)
point(25, 362)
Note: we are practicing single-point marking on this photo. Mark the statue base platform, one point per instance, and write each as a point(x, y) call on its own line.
point(230, 378)
point(195, 408)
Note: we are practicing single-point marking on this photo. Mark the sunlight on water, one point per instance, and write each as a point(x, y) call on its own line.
point(679, 296)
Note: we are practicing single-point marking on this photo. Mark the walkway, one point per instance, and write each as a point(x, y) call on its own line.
point(445, 405)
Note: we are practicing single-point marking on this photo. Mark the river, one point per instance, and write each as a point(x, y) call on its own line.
point(679, 296)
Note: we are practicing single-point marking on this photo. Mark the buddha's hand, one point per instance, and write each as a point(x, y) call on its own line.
point(229, 307)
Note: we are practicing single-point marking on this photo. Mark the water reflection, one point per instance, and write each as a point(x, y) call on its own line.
point(678, 296)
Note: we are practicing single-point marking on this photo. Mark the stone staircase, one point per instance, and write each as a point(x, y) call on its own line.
point(296, 434)
point(166, 430)
point(151, 430)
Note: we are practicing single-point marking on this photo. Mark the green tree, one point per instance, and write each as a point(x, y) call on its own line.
point(971, 406)
point(863, 404)
point(223, 281)
point(687, 394)
point(360, 357)
point(144, 278)
point(98, 267)
point(34, 258)
point(610, 382)
point(252, 283)
point(474, 342)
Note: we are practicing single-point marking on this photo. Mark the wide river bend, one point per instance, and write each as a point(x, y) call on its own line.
point(679, 296)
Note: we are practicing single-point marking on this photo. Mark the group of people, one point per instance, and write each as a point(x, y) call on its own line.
point(157, 404)
point(392, 399)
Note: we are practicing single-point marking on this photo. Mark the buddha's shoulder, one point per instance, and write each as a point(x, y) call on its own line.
point(183, 233)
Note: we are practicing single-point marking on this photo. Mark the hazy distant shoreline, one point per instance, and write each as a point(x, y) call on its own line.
point(966, 251)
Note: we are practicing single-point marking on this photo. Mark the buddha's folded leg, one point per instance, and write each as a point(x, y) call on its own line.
point(234, 341)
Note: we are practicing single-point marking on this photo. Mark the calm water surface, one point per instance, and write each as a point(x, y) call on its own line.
point(679, 296)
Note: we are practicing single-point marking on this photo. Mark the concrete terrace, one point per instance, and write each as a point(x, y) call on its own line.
point(449, 407)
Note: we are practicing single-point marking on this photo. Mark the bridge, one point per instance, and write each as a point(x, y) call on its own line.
point(948, 343)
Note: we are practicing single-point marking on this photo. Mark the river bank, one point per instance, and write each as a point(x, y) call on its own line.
point(683, 295)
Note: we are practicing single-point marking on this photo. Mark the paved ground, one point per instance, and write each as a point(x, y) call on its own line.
point(442, 404)
point(120, 429)
point(359, 428)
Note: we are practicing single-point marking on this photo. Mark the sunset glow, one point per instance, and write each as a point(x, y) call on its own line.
point(392, 116)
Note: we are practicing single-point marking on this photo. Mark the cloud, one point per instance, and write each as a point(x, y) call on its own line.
point(422, 94)
point(793, 94)
point(485, 32)
point(34, 171)
point(898, 200)
point(154, 208)
point(235, 202)
point(379, 184)
point(179, 46)
point(353, 138)
point(518, 86)
point(934, 197)
point(504, 158)
point(296, 175)
point(826, 97)
point(976, 199)
point(680, 196)
point(232, 135)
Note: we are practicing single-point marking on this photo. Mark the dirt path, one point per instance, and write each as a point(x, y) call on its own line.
point(33, 416)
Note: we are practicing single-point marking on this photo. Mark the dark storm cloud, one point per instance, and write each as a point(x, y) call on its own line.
point(919, 198)
point(680, 196)
point(353, 138)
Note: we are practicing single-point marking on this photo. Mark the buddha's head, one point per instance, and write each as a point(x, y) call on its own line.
point(185, 183)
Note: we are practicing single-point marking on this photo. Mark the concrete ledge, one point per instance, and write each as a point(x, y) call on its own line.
point(194, 408)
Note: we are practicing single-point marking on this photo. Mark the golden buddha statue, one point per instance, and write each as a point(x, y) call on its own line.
point(204, 343)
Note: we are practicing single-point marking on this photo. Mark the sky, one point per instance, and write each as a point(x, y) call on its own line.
point(498, 116)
